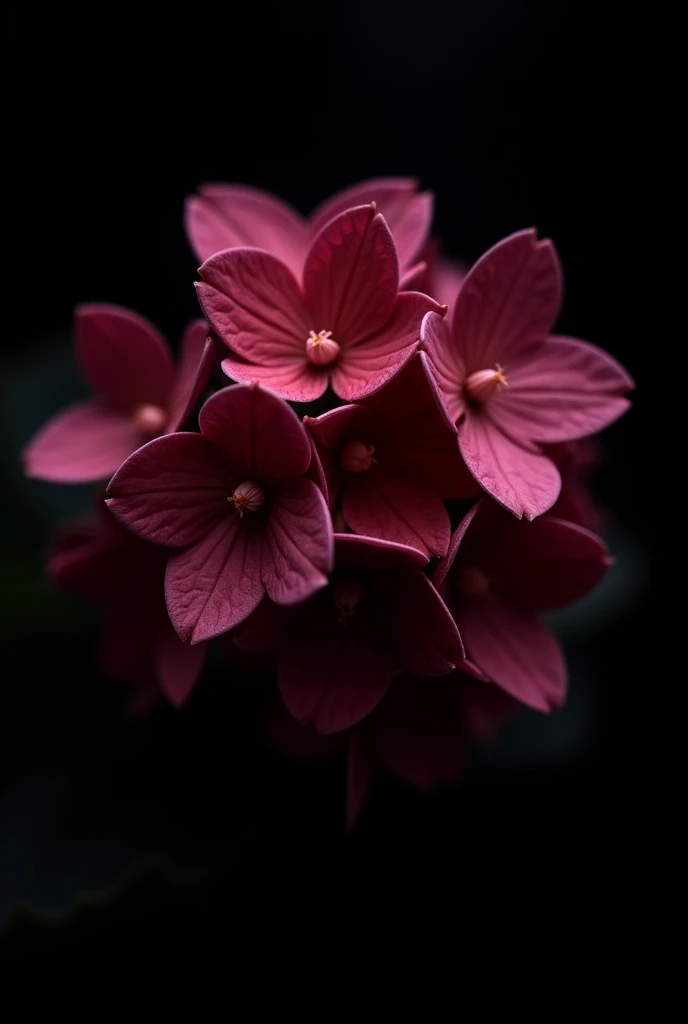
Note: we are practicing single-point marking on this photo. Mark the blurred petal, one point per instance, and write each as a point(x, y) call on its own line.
point(197, 357)
point(226, 216)
point(515, 650)
point(351, 276)
point(124, 357)
point(173, 491)
point(407, 213)
point(178, 665)
point(86, 442)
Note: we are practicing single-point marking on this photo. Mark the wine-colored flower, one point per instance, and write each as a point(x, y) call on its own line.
point(139, 395)
point(509, 387)
point(499, 573)
point(337, 652)
point(347, 323)
point(422, 731)
point(392, 458)
point(101, 562)
point(233, 216)
point(234, 500)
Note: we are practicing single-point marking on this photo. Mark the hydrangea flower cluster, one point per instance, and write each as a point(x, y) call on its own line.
point(324, 541)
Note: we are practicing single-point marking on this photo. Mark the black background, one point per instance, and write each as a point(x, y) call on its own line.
point(515, 114)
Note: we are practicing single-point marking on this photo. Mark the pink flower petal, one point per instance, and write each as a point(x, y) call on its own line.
point(197, 358)
point(178, 665)
point(331, 673)
point(371, 363)
point(544, 564)
point(407, 213)
point(408, 423)
point(173, 491)
point(373, 554)
point(351, 276)
point(525, 482)
point(256, 306)
point(84, 443)
point(510, 299)
point(327, 433)
point(215, 584)
point(316, 471)
point(300, 547)
point(226, 216)
point(458, 538)
point(298, 382)
point(515, 650)
point(416, 623)
point(260, 436)
point(124, 357)
point(568, 389)
point(446, 363)
point(386, 502)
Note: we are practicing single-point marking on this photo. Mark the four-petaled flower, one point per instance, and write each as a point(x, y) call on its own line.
point(347, 323)
point(509, 387)
point(499, 573)
point(139, 392)
point(234, 501)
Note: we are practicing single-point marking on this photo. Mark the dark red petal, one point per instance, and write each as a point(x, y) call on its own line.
point(417, 624)
point(173, 491)
point(298, 550)
point(351, 276)
point(215, 584)
point(197, 358)
point(124, 357)
point(178, 665)
point(86, 442)
point(257, 432)
point(515, 650)
point(226, 216)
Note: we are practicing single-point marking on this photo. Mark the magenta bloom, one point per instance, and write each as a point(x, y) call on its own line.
point(139, 393)
point(509, 387)
point(234, 216)
point(234, 500)
point(337, 653)
point(103, 563)
point(393, 458)
point(422, 732)
point(498, 574)
point(347, 322)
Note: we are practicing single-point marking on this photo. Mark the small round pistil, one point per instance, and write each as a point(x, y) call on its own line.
point(482, 384)
point(248, 497)
point(356, 456)
point(149, 419)
point(321, 348)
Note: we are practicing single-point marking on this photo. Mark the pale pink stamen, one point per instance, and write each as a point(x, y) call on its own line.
point(321, 348)
point(355, 456)
point(149, 419)
point(482, 384)
point(347, 591)
point(473, 582)
point(248, 497)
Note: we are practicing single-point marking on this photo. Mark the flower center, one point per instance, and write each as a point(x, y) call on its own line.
point(321, 348)
point(248, 497)
point(347, 591)
point(356, 456)
point(472, 582)
point(149, 419)
point(481, 385)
